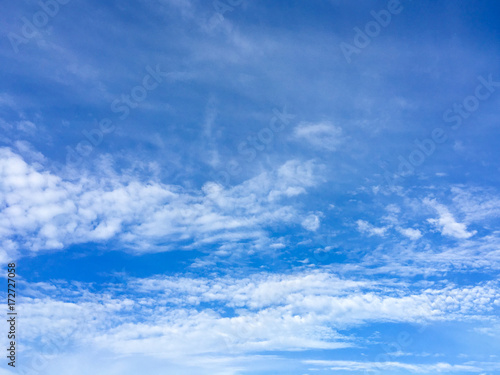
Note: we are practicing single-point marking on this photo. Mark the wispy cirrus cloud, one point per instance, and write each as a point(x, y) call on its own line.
point(323, 135)
point(441, 367)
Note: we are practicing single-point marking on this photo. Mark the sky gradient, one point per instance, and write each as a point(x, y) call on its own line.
point(252, 187)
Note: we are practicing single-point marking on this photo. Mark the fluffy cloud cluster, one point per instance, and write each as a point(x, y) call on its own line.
point(41, 210)
point(173, 316)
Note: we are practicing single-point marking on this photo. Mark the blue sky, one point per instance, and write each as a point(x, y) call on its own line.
point(250, 188)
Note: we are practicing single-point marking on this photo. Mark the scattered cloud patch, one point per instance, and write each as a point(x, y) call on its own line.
point(311, 223)
point(412, 234)
point(446, 223)
point(322, 135)
point(367, 228)
point(393, 366)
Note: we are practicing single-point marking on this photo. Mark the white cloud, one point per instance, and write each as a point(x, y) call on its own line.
point(402, 259)
point(311, 223)
point(413, 234)
point(26, 127)
point(392, 366)
point(46, 211)
point(365, 227)
point(168, 317)
point(493, 330)
point(477, 204)
point(323, 135)
point(209, 138)
point(446, 222)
